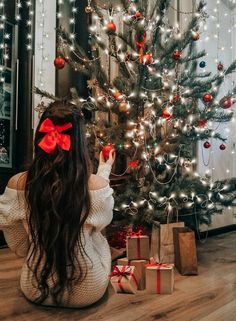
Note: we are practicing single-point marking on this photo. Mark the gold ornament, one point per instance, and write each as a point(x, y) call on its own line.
point(88, 9)
point(40, 109)
point(92, 83)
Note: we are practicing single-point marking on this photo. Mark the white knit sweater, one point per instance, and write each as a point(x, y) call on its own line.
point(14, 225)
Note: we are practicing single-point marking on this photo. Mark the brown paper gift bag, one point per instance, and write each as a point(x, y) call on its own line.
point(140, 268)
point(185, 251)
point(159, 278)
point(162, 243)
point(137, 247)
point(124, 279)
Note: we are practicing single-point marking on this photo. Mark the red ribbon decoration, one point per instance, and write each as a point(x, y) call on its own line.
point(141, 44)
point(54, 136)
point(136, 234)
point(133, 164)
point(124, 272)
point(159, 266)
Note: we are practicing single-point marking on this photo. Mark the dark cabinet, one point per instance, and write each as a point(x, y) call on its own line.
point(16, 131)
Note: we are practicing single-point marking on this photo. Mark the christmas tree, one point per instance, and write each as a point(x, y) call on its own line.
point(154, 112)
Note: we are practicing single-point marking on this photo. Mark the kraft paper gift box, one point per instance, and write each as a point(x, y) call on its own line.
point(140, 268)
point(137, 247)
point(159, 278)
point(162, 243)
point(124, 279)
point(185, 251)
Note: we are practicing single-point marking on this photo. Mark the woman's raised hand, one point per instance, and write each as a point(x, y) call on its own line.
point(110, 160)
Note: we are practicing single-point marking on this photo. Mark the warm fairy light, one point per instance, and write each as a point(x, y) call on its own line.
point(140, 133)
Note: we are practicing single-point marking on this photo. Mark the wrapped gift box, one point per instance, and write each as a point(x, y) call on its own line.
point(185, 251)
point(124, 279)
point(159, 278)
point(137, 247)
point(140, 268)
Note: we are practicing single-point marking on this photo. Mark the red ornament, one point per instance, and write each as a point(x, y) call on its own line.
point(227, 103)
point(59, 62)
point(117, 95)
point(176, 54)
point(220, 66)
point(175, 99)
point(137, 15)
point(207, 145)
point(195, 36)
point(207, 98)
point(133, 164)
point(106, 150)
point(222, 147)
point(201, 123)
point(147, 59)
point(111, 26)
point(124, 107)
point(166, 114)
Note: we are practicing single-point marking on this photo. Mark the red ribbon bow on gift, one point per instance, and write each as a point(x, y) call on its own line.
point(159, 265)
point(137, 234)
point(152, 262)
point(124, 272)
point(131, 233)
point(54, 136)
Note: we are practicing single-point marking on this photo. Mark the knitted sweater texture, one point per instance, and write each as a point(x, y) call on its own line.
point(14, 225)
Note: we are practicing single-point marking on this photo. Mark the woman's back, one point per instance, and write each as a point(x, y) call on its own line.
point(96, 247)
point(57, 211)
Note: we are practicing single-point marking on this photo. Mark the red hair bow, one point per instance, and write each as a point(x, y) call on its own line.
point(54, 136)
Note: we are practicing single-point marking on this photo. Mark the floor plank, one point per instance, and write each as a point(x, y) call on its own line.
point(210, 296)
point(225, 313)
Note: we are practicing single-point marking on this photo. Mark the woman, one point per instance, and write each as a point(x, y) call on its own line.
point(53, 214)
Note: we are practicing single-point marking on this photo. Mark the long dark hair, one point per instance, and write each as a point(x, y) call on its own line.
point(58, 201)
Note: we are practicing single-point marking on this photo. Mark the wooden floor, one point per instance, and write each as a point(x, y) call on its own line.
point(210, 296)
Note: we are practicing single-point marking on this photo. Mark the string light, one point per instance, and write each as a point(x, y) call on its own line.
point(60, 9)
point(41, 45)
point(17, 11)
point(3, 44)
point(72, 23)
point(30, 25)
point(152, 156)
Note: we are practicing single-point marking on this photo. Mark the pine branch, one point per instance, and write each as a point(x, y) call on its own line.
point(97, 11)
point(44, 93)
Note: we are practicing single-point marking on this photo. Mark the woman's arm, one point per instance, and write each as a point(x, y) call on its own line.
point(17, 239)
point(12, 216)
point(104, 168)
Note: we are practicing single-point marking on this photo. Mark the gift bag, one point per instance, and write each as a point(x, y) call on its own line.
point(185, 251)
point(162, 244)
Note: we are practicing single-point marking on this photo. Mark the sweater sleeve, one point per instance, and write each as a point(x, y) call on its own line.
point(104, 170)
point(13, 221)
point(101, 212)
